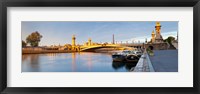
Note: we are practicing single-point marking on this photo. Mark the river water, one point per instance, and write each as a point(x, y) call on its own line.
point(73, 62)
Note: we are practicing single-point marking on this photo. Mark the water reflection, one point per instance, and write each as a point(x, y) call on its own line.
point(117, 65)
point(73, 62)
point(33, 62)
point(127, 65)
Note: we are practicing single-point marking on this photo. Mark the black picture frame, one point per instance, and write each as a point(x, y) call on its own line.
point(98, 3)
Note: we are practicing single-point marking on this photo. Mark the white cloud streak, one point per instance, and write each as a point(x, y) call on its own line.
point(142, 39)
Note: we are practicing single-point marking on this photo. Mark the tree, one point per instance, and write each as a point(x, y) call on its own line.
point(34, 38)
point(23, 43)
point(170, 39)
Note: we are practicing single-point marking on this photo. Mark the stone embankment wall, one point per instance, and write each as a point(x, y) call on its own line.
point(41, 50)
point(144, 64)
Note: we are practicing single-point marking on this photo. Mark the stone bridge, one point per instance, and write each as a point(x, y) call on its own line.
point(135, 45)
point(119, 46)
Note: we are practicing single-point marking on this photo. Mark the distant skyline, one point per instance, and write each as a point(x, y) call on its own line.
point(60, 32)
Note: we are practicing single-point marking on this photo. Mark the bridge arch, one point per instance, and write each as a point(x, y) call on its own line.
point(93, 48)
point(151, 47)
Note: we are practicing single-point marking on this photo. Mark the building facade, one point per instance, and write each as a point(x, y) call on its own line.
point(157, 42)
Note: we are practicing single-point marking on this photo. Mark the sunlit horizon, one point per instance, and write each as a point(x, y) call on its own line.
point(60, 33)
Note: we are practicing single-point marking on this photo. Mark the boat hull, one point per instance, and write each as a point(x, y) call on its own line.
point(118, 58)
point(132, 58)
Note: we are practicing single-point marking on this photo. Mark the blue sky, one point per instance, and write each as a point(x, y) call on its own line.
point(61, 32)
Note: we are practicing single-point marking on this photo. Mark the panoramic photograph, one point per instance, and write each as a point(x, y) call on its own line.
point(99, 46)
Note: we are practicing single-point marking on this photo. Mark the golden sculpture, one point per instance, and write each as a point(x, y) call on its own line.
point(158, 27)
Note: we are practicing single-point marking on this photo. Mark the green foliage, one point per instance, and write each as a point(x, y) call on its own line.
point(170, 39)
point(150, 52)
point(23, 43)
point(34, 38)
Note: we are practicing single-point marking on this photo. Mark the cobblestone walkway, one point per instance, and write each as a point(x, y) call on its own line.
point(165, 60)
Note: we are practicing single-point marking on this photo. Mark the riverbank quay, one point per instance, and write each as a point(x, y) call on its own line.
point(165, 60)
point(144, 64)
point(161, 61)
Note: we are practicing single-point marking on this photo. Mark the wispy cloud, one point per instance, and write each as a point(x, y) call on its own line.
point(142, 39)
point(61, 32)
